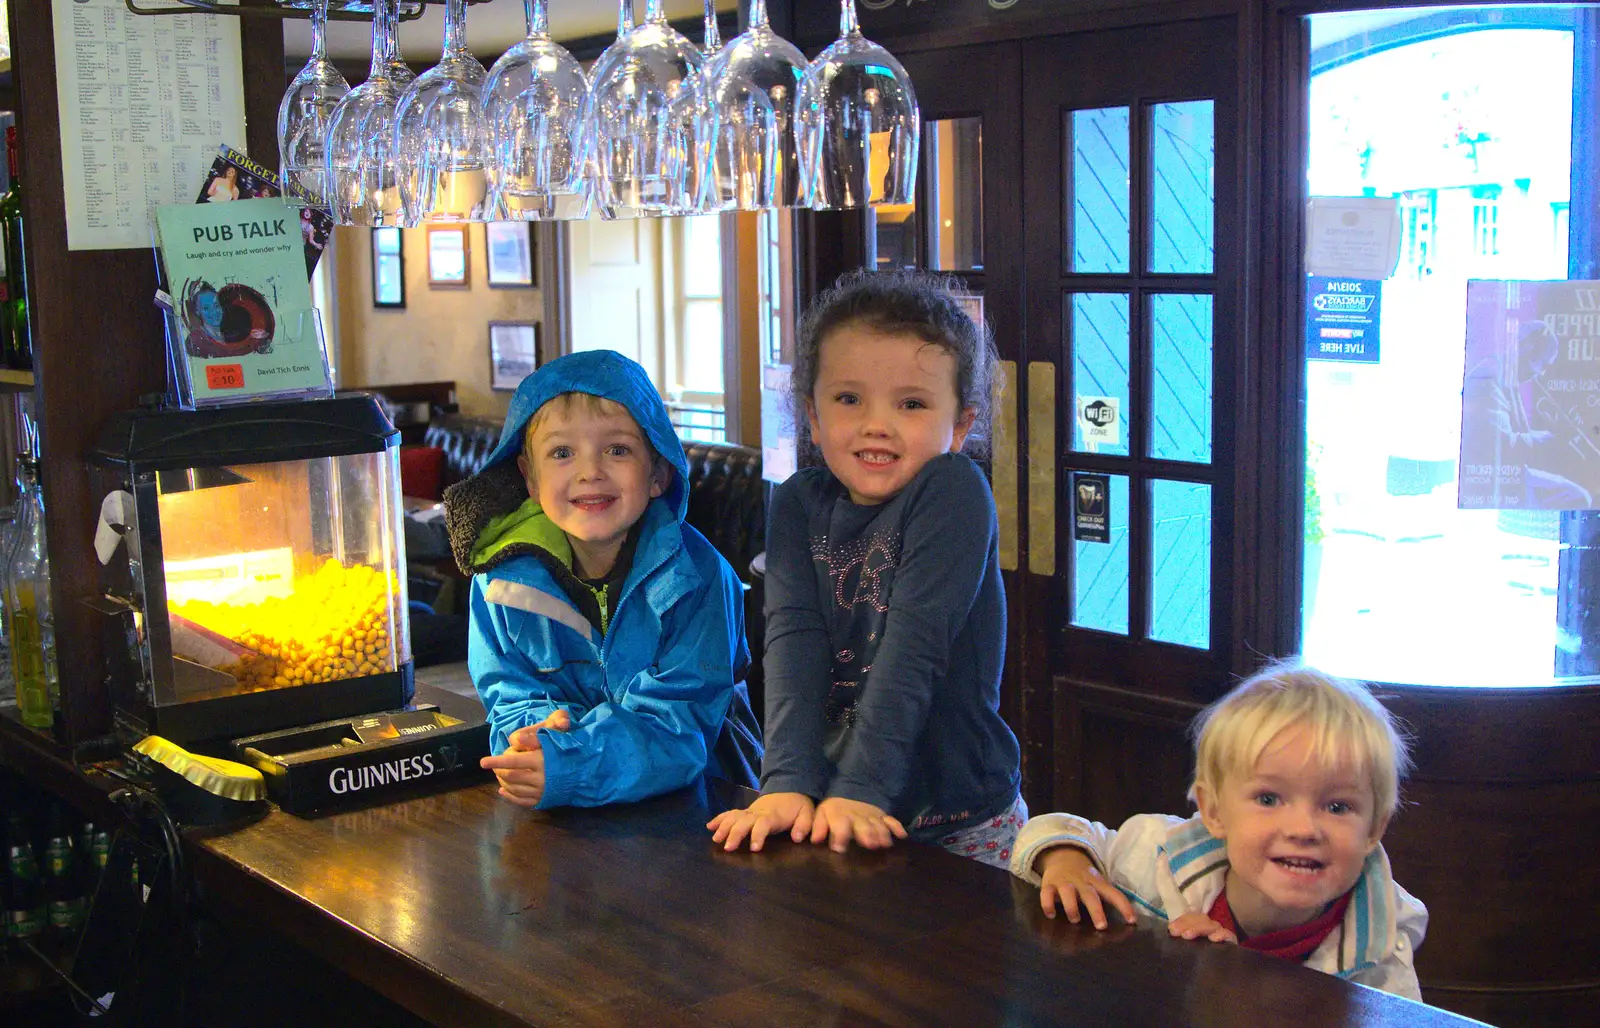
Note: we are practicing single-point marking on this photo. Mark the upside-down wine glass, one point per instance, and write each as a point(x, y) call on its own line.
point(538, 150)
point(643, 110)
point(441, 139)
point(858, 124)
point(303, 120)
point(363, 185)
point(752, 85)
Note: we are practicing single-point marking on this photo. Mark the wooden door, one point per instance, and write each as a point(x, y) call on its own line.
point(1133, 267)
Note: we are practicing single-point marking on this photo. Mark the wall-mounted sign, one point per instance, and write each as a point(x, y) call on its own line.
point(1342, 319)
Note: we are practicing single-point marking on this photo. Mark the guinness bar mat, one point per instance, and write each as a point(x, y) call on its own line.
point(363, 760)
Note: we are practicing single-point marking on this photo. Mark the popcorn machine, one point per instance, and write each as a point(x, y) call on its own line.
point(255, 567)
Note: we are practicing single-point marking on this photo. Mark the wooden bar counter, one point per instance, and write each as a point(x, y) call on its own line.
point(468, 910)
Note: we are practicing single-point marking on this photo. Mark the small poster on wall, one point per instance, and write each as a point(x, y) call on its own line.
point(1530, 396)
point(513, 352)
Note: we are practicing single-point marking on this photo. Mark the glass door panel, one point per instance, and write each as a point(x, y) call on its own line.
point(1180, 377)
point(1180, 567)
point(1099, 594)
point(1100, 345)
point(1183, 189)
point(1097, 191)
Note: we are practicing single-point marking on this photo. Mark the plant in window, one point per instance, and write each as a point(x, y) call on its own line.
point(1314, 531)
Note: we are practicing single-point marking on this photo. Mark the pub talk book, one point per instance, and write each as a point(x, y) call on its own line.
point(240, 299)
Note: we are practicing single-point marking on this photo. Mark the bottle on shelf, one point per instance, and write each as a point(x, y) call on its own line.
point(24, 896)
point(8, 535)
point(27, 606)
point(16, 344)
point(62, 886)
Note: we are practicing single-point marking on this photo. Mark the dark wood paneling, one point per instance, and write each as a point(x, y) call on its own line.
point(97, 337)
point(1121, 753)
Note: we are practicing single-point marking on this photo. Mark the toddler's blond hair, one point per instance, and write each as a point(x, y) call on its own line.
point(1347, 724)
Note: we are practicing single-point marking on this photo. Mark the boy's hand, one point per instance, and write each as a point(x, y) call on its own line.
point(839, 820)
point(1070, 877)
point(1199, 926)
point(774, 812)
point(520, 768)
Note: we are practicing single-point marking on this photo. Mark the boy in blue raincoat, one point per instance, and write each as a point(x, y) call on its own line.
point(606, 636)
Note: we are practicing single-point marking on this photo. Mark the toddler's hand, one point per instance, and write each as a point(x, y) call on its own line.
point(839, 820)
point(520, 768)
point(774, 812)
point(1199, 926)
point(1070, 877)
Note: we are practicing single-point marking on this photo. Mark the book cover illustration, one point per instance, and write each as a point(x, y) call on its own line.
point(241, 300)
point(234, 176)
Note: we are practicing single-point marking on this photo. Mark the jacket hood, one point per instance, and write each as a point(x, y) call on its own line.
point(498, 490)
point(611, 375)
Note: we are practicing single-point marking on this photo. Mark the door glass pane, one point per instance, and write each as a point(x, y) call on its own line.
point(954, 168)
point(1099, 346)
point(1182, 187)
point(1097, 193)
point(1180, 563)
point(1100, 569)
point(1440, 547)
point(1180, 377)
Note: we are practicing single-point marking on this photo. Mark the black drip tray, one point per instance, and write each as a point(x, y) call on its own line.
point(361, 760)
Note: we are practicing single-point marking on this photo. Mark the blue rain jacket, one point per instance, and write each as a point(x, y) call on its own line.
point(659, 698)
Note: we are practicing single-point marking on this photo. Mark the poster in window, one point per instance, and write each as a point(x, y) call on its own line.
point(1091, 507)
point(1530, 396)
point(513, 352)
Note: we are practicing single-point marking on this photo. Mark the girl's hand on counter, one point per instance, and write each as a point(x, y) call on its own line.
point(839, 820)
point(774, 812)
point(520, 769)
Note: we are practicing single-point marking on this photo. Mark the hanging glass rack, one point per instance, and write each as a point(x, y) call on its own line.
point(338, 10)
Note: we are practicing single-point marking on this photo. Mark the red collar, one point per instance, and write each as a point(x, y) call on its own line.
point(1295, 943)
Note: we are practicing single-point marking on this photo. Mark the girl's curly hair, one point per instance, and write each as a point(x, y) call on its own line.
point(900, 302)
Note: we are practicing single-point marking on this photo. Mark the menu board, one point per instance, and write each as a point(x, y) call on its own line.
point(143, 102)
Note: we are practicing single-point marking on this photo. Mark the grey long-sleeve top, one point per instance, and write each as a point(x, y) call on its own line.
point(885, 641)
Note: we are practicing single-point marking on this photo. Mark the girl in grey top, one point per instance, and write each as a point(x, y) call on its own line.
point(885, 610)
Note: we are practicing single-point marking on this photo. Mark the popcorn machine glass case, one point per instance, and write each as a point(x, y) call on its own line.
point(262, 584)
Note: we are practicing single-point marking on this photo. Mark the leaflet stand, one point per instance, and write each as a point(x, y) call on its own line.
point(232, 325)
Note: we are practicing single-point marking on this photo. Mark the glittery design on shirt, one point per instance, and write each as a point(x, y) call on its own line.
point(858, 569)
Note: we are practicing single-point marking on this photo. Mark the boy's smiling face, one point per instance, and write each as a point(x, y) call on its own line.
point(1297, 833)
point(593, 474)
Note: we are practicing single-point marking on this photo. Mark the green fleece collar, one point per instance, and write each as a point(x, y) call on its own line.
point(528, 525)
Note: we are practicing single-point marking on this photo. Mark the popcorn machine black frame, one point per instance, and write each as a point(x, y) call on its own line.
point(322, 488)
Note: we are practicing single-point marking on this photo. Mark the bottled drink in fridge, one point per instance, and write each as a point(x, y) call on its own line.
point(24, 897)
point(62, 886)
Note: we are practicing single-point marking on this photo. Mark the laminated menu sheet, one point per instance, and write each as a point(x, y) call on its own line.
point(143, 102)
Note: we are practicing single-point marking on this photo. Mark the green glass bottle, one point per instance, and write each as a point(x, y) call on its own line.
point(24, 894)
point(18, 345)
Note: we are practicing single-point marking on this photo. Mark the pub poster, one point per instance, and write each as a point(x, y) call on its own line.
point(1530, 396)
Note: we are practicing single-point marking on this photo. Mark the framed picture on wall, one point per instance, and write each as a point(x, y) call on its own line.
point(388, 268)
point(447, 257)
point(510, 251)
point(513, 352)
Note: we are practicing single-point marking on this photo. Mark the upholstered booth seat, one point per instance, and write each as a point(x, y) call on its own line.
point(466, 442)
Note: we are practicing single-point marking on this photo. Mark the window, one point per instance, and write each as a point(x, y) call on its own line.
point(695, 396)
point(1416, 570)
